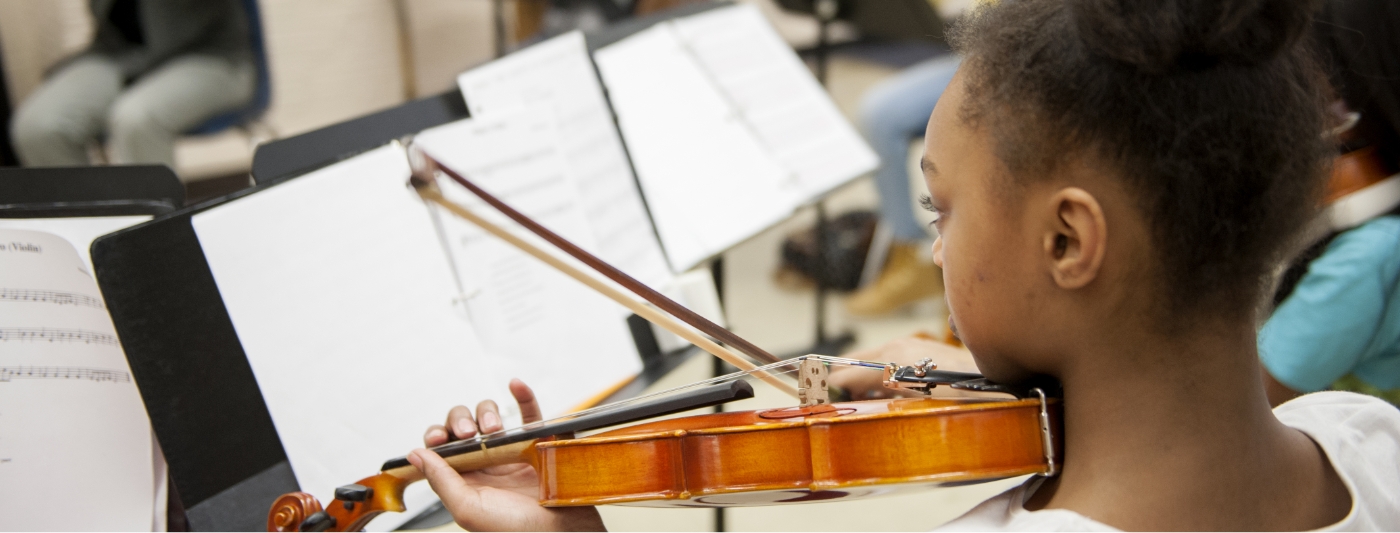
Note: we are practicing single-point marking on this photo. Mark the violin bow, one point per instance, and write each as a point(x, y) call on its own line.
point(424, 182)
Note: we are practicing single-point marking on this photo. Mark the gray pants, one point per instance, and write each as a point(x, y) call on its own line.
point(86, 101)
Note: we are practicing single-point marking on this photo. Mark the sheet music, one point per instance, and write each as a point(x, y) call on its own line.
point(557, 75)
point(778, 97)
point(708, 180)
point(531, 318)
point(343, 302)
point(73, 431)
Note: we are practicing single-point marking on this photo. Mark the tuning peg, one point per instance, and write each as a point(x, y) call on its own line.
point(349, 494)
point(320, 521)
point(353, 493)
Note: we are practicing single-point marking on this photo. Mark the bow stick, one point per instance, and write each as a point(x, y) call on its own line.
point(424, 183)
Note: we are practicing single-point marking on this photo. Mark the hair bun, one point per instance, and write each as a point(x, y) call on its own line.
point(1160, 36)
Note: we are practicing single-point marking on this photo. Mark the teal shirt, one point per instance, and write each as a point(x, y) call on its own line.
point(1344, 316)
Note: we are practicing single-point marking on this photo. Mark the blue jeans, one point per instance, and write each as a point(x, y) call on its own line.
point(892, 115)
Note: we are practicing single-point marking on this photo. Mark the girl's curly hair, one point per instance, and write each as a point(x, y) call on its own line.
point(1211, 111)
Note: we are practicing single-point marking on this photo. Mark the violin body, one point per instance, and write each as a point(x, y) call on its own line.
point(751, 458)
point(796, 454)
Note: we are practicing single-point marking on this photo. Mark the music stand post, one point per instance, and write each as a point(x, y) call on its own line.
point(498, 12)
point(827, 12)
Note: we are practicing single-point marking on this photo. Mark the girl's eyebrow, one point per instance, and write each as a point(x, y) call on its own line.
point(927, 166)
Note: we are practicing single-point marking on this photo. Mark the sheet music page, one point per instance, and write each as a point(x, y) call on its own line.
point(343, 301)
point(571, 342)
point(775, 93)
point(558, 75)
point(75, 441)
point(708, 180)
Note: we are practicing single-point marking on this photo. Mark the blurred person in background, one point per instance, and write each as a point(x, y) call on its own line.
point(1337, 320)
point(893, 114)
point(155, 69)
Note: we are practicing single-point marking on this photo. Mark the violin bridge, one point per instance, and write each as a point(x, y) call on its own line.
point(811, 383)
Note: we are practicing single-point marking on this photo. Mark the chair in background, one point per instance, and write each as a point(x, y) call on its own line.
point(251, 113)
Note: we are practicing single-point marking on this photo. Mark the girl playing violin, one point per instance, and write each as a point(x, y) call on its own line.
point(1113, 180)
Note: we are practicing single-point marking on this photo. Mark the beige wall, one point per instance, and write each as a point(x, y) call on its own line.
point(35, 34)
point(449, 37)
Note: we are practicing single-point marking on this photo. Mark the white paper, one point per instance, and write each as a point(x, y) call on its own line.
point(707, 179)
point(75, 441)
point(775, 93)
point(80, 231)
point(568, 341)
point(342, 299)
point(557, 75)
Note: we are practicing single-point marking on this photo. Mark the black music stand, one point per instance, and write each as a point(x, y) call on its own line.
point(7, 152)
point(56, 192)
point(223, 451)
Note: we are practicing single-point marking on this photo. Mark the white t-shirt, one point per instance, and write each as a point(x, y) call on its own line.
point(1359, 434)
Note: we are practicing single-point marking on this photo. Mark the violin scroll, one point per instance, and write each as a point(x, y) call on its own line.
point(290, 510)
point(353, 507)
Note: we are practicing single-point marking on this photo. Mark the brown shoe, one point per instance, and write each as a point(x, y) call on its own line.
point(905, 280)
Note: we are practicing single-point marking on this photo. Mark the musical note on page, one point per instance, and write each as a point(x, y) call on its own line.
point(9, 373)
point(49, 297)
point(56, 335)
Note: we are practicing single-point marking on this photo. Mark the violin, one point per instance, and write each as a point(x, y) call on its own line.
point(817, 450)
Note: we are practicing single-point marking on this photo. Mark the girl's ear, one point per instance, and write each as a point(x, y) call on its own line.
point(1077, 238)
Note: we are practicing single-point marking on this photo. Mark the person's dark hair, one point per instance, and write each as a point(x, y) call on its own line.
point(1210, 110)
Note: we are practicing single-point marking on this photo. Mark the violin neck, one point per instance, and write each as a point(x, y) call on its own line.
point(513, 453)
point(507, 448)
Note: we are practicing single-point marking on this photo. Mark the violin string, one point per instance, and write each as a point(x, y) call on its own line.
point(793, 363)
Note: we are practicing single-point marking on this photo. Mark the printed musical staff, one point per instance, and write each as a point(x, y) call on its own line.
point(56, 335)
point(9, 373)
point(50, 297)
